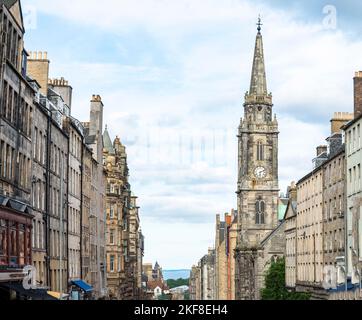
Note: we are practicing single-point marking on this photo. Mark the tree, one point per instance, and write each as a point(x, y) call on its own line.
point(172, 283)
point(275, 284)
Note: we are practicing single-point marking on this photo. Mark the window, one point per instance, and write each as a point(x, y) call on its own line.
point(111, 263)
point(260, 211)
point(111, 213)
point(13, 244)
point(3, 242)
point(21, 244)
point(111, 236)
point(260, 151)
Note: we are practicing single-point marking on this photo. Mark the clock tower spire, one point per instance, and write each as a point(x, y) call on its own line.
point(258, 87)
point(258, 186)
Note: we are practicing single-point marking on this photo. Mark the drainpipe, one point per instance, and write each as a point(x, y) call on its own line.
point(345, 225)
point(315, 269)
point(61, 226)
point(81, 210)
point(47, 199)
point(67, 207)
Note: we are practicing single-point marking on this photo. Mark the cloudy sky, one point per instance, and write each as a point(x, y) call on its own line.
point(172, 75)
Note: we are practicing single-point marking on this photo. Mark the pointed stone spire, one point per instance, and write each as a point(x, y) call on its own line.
point(107, 143)
point(258, 88)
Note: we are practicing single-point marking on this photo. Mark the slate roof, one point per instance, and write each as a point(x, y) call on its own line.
point(15, 205)
point(272, 234)
point(8, 3)
point(156, 283)
point(107, 142)
point(88, 139)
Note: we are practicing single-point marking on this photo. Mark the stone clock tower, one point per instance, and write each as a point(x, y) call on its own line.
point(258, 187)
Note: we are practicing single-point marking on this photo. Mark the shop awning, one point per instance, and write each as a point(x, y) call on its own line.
point(82, 285)
point(33, 294)
point(57, 295)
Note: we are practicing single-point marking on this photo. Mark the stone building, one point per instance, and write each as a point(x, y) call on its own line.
point(320, 225)
point(115, 222)
point(51, 153)
point(221, 266)
point(75, 131)
point(334, 198)
point(86, 214)
point(193, 282)
point(353, 134)
point(157, 272)
point(41, 120)
point(124, 240)
point(206, 281)
point(136, 250)
point(225, 245)
point(147, 270)
point(140, 255)
point(258, 185)
point(16, 114)
point(291, 238)
point(97, 216)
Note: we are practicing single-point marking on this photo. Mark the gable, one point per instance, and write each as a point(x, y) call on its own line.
point(290, 212)
point(16, 11)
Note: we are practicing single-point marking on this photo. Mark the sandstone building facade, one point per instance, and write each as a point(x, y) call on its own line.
point(320, 222)
point(16, 114)
point(225, 245)
point(353, 134)
point(124, 243)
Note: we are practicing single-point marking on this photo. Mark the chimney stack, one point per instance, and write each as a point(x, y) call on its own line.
point(292, 191)
point(339, 120)
point(62, 87)
point(96, 125)
point(38, 69)
point(358, 94)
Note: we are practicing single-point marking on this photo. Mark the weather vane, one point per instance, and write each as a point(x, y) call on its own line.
point(259, 24)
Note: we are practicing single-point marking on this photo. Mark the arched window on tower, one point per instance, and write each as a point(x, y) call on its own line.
point(260, 151)
point(260, 211)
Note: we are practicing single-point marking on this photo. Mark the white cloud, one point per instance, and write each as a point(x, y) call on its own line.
point(176, 245)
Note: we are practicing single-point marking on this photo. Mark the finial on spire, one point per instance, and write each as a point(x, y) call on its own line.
point(106, 126)
point(259, 24)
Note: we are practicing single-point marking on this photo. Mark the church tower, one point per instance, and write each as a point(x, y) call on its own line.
point(258, 187)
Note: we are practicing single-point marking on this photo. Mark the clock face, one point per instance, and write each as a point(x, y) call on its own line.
point(260, 172)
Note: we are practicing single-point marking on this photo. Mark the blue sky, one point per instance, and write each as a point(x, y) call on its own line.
point(172, 75)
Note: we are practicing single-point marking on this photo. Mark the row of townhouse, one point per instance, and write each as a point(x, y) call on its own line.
point(55, 189)
point(324, 220)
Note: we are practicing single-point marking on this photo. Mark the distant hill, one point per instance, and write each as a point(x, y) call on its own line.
point(176, 274)
point(172, 283)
